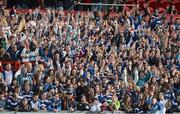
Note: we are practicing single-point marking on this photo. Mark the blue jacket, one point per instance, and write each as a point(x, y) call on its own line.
point(45, 104)
point(27, 95)
point(154, 108)
point(55, 104)
point(12, 104)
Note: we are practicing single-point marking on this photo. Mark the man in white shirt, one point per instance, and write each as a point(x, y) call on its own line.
point(8, 75)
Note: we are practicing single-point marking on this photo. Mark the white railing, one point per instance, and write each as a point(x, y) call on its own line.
point(62, 112)
point(99, 4)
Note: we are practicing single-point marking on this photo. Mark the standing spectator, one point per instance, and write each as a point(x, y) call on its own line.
point(4, 55)
point(24, 77)
point(8, 75)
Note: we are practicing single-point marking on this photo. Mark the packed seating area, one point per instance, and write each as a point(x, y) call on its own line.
point(53, 60)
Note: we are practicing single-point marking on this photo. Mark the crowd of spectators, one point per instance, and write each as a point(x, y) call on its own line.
point(129, 61)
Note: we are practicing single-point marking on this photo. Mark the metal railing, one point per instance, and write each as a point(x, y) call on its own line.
point(98, 4)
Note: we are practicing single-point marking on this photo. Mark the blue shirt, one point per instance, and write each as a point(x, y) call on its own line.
point(55, 104)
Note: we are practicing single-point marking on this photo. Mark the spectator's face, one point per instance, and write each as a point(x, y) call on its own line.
point(14, 82)
point(162, 81)
point(35, 98)
point(153, 80)
point(1, 96)
point(25, 70)
point(27, 88)
point(83, 99)
point(171, 81)
point(8, 67)
point(56, 97)
point(2, 51)
point(154, 101)
point(44, 96)
point(97, 89)
point(151, 93)
point(29, 67)
point(57, 56)
point(15, 48)
point(161, 97)
point(25, 102)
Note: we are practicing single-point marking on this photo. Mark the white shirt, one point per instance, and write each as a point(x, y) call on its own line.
point(162, 104)
point(8, 77)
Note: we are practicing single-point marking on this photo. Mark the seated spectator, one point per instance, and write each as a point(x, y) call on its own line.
point(168, 106)
point(24, 106)
point(13, 102)
point(35, 103)
point(44, 103)
point(55, 103)
point(83, 105)
point(127, 105)
point(95, 106)
point(154, 107)
point(115, 104)
point(2, 101)
point(71, 102)
point(26, 92)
